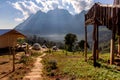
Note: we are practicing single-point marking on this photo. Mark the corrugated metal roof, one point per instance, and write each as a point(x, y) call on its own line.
point(3, 31)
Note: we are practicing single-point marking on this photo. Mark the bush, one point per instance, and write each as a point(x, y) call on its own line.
point(36, 54)
point(50, 67)
point(52, 64)
point(25, 59)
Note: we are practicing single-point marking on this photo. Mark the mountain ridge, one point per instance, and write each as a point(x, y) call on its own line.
point(54, 24)
point(59, 19)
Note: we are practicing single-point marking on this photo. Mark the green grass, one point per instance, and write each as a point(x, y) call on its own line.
point(73, 67)
point(36, 54)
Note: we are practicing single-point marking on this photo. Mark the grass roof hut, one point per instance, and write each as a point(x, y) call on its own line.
point(8, 38)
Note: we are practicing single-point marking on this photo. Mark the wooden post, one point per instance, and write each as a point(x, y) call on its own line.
point(112, 46)
point(97, 41)
point(85, 45)
point(119, 45)
point(94, 44)
point(13, 51)
point(113, 37)
point(66, 50)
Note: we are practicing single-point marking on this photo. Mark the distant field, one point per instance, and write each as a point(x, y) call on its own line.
point(73, 67)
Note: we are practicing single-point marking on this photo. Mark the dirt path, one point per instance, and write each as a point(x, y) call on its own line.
point(36, 71)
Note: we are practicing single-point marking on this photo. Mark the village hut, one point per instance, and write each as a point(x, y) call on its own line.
point(8, 37)
point(54, 48)
point(36, 46)
point(44, 46)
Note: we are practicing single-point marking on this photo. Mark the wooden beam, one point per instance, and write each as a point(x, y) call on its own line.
point(85, 45)
point(89, 21)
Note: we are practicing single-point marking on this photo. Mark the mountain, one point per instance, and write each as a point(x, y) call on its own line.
point(54, 24)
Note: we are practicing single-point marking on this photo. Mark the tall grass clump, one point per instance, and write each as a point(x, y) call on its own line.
point(36, 54)
point(50, 67)
point(25, 59)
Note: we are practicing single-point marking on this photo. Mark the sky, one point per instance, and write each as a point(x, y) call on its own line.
point(14, 12)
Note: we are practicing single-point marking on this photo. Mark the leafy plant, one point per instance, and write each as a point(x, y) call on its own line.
point(50, 66)
point(36, 54)
point(70, 39)
point(25, 59)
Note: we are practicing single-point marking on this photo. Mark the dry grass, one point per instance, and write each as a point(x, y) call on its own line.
point(6, 65)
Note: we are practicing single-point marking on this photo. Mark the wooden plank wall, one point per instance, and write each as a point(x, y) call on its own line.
point(104, 15)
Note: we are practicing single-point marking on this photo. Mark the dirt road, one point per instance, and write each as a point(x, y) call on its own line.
point(36, 71)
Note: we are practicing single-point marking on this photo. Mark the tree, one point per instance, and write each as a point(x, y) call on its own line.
point(21, 41)
point(35, 38)
point(81, 45)
point(70, 39)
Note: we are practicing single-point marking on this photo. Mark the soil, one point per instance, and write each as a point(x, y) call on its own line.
point(6, 65)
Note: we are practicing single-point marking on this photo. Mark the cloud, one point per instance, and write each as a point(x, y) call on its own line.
point(19, 19)
point(78, 5)
point(27, 7)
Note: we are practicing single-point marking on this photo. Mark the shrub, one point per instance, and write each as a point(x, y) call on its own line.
point(36, 54)
point(52, 64)
point(25, 59)
point(50, 67)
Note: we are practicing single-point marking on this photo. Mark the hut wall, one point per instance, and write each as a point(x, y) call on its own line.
point(8, 40)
